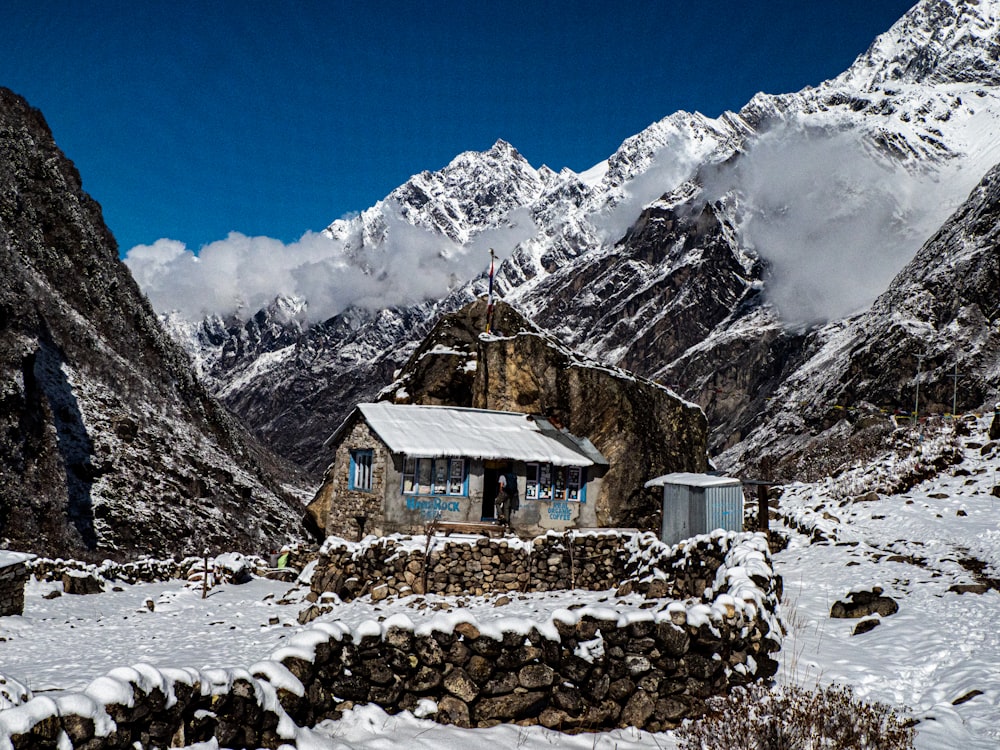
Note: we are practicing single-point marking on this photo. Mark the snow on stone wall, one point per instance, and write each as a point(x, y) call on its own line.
point(648, 665)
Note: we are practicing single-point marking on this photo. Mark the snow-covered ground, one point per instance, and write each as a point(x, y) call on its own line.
point(938, 656)
point(942, 645)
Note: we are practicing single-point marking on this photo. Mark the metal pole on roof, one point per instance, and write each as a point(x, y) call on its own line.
point(489, 297)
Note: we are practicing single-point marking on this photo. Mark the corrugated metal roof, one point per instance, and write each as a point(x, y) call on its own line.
point(690, 479)
point(439, 431)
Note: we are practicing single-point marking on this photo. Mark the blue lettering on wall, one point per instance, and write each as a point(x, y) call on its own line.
point(432, 506)
point(559, 511)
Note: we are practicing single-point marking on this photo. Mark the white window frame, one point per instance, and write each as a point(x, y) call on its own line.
point(549, 483)
point(448, 468)
point(361, 469)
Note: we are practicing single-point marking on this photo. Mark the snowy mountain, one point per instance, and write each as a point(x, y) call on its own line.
point(716, 255)
point(109, 445)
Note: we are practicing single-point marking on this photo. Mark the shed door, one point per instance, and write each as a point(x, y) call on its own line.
point(676, 514)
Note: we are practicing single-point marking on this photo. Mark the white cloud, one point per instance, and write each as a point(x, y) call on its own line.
point(834, 218)
point(242, 274)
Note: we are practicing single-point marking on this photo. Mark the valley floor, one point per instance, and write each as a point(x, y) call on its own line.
point(938, 656)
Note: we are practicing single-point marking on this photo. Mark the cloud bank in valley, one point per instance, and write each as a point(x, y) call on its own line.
point(834, 218)
point(241, 274)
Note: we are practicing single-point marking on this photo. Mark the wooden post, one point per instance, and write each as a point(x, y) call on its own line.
point(204, 579)
point(762, 508)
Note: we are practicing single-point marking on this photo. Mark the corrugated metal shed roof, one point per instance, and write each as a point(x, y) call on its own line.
point(438, 431)
point(690, 479)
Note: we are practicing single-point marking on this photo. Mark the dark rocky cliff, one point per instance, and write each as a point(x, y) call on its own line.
point(108, 443)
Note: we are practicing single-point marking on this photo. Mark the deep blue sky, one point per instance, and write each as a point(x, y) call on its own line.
point(188, 120)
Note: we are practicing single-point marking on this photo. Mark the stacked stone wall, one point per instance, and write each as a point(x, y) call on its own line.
point(592, 560)
point(647, 665)
point(12, 580)
point(152, 570)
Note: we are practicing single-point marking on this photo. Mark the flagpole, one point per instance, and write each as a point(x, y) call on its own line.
point(489, 298)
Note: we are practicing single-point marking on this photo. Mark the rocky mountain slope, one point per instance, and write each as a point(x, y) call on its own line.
point(931, 341)
point(109, 445)
point(715, 255)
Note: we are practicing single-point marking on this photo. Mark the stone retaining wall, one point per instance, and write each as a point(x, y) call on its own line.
point(593, 560)
point(13, 576)
point(648, 665)
point(153, 570)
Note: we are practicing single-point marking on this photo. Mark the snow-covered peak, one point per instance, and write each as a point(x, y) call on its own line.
point(937, 41)
point(475, 191)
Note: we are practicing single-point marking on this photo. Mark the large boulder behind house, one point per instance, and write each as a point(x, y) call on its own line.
point(643, 429)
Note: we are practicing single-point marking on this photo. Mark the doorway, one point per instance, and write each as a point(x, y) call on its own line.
point(491, 478)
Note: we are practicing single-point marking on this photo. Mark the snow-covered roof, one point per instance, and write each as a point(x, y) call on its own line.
point(690, 479)
point(436, 431)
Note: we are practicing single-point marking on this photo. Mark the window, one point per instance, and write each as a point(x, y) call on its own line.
point(361, 470)
point(558, 483)
point(434, 476)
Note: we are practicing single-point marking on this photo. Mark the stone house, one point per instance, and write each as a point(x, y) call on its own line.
point(397, 466)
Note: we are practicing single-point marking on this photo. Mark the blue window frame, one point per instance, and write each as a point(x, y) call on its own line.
point(435, 476)
point(361, 470)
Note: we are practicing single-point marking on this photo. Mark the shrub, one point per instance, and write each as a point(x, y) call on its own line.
point(793, 718)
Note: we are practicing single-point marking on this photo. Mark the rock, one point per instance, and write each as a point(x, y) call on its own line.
point(568, 699)
point(969, 588)
point(429, 651)
point(510, 707)
point(966, 697)
point(864, 603)
point(461, 685)
point(504, 682)
point(866, 625)
point(453, 711)
point(671, 709)
point(424, 680)
point(312, 612)
point(479, 669)
point(638, 710)
point(75, 582)
point(658, 589)
point(535, 676)
point(467, 630)
point(79, 729)
point(553, 718)
point(620, 690)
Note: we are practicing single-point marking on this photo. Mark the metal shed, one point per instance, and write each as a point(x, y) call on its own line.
point(697, 504)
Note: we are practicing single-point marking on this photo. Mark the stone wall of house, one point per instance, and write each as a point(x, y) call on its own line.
point(588, 669)
point(13, 576)
point(342, 505)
